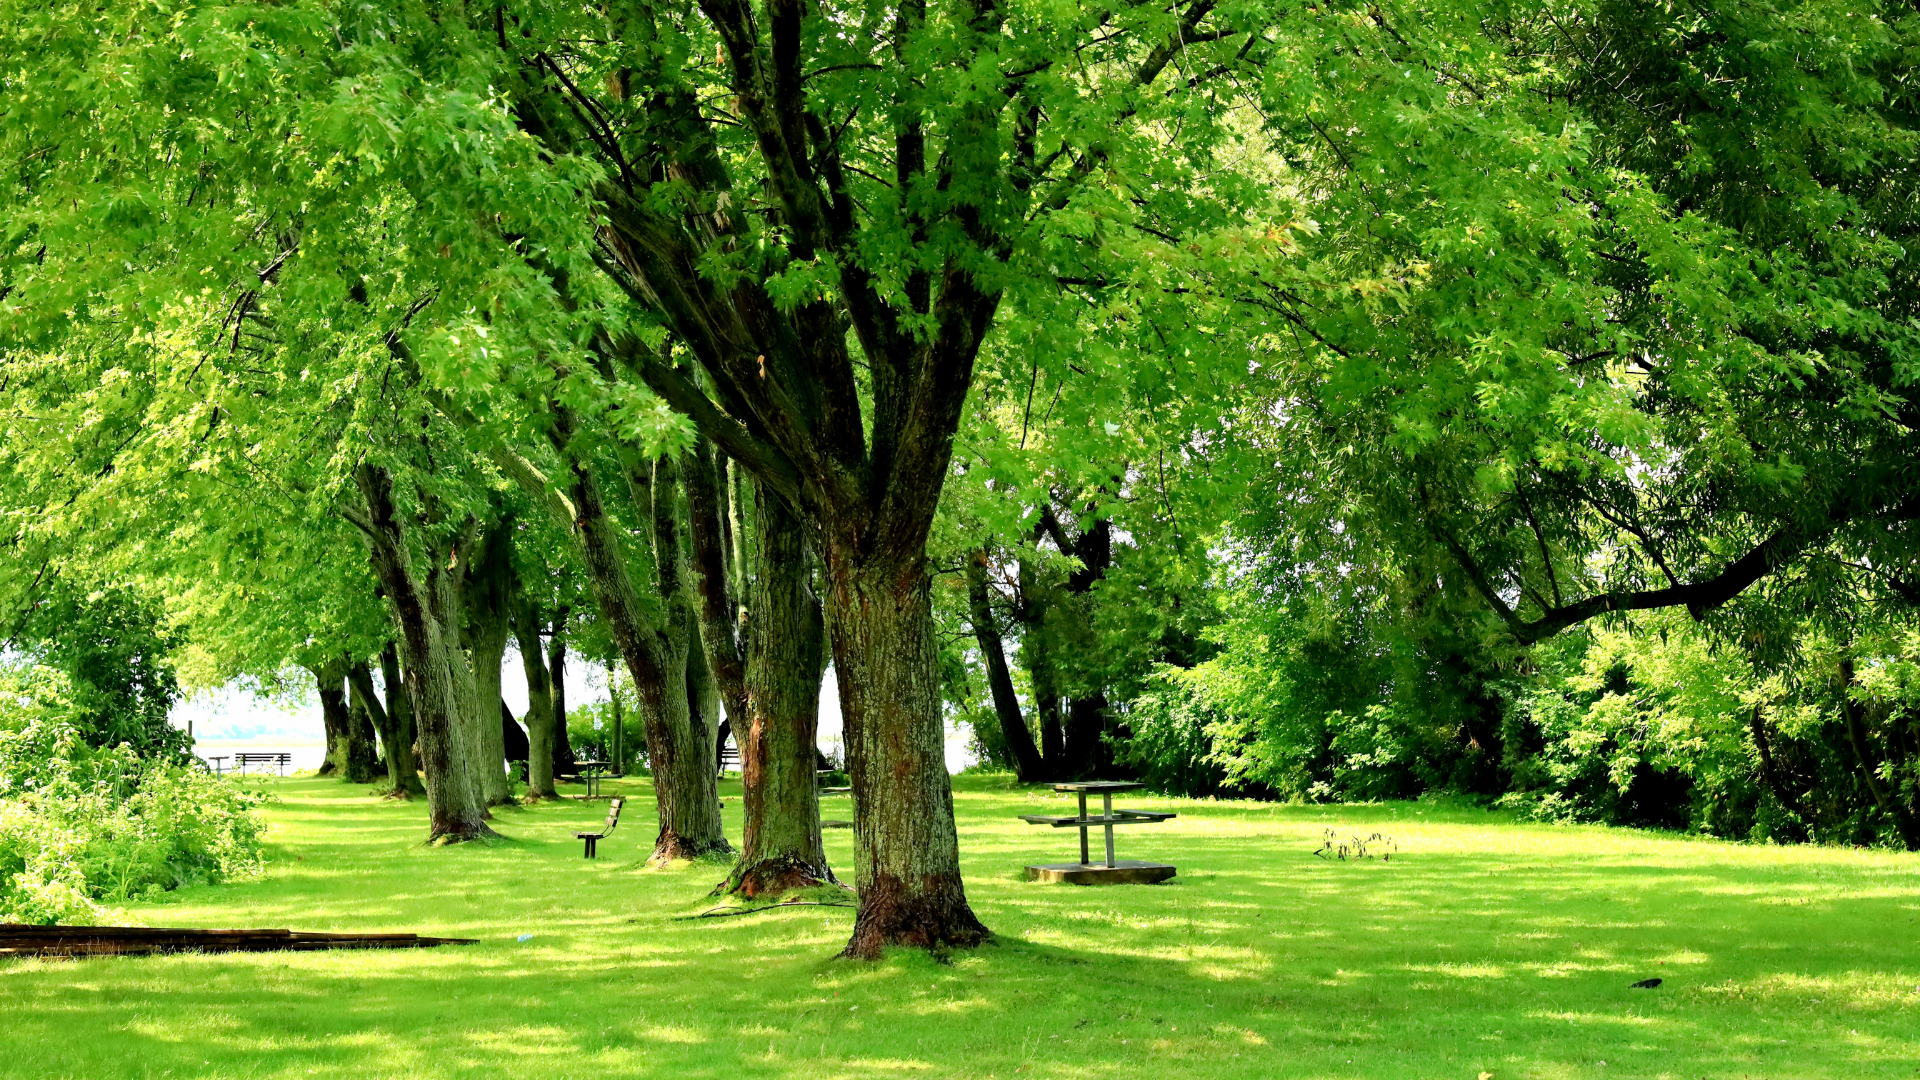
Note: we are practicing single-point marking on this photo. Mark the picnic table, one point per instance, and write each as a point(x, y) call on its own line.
point(590, 774)
point(1086, 871)
point(216, 763)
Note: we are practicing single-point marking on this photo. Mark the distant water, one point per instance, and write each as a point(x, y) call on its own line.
point(305, 755)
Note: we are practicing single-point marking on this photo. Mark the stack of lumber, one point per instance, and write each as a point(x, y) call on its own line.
point(17, 939)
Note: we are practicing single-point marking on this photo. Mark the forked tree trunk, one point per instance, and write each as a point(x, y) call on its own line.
point(655, 650)
point(402, 762)
point(1087, 750)
point(1006, 704)
point(489, 596)
point(778, 739)
point(539, 716)
point(679, 743)
point(684, 784)
point(330, 682)
point(563, 757)
point(362, 756)
point(885, 655)
point(360, 680)
point(440, 686)
point(1038, 657)
point(703, 701)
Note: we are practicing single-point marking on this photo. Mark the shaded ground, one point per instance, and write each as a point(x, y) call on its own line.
point(1483, 946)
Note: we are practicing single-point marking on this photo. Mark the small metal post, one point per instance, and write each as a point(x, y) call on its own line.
point(1083, 829)
point(1106, 811)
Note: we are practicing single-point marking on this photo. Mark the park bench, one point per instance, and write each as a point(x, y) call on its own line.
point(1087, 872)
point(279, 761)
point(613, 821)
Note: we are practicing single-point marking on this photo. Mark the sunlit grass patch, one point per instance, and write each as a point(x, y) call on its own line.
point(1484, 946)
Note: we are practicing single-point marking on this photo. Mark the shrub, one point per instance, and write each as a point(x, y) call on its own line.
point(81, 825)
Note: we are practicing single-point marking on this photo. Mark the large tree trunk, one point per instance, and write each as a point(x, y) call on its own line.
point(564, 761)
point(1037, 653)
point(679, 741)
point(362, 759)
point(778, 736)
point(360, 680)
point(617, 738)
point(1006, 704)
point(1087, 751)
point(885, 656)
point(402, 764)
point(703, 701)
point(655, 650)
point(330, 680)
point(440, 688)
point(715, 578)
point(539, 716)
point(770, 688)
point(489, 596)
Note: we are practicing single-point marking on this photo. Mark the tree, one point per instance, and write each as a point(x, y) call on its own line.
point(1634, 332)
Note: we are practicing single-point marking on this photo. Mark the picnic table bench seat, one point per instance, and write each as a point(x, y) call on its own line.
point(613, 822)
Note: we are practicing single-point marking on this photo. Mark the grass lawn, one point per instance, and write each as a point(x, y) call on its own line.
point(1482, 947)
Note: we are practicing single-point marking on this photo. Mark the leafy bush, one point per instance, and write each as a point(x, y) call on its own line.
point(590, 732)
point(116, 655)
point(81, 825)
point(1300, 701)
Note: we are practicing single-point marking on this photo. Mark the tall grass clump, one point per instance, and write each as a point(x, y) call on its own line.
point(84, 826)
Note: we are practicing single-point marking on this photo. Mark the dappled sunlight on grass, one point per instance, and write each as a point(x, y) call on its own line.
point(1483, 946)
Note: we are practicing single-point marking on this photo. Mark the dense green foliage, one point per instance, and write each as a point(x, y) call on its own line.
point(82, 826)
point(116, 656)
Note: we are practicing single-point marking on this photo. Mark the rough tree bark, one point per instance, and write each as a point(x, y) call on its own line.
point(489, 599)
point(426, 610)
point(362, 760)
point(679, 742)
point(1027, 765)
point(539, 717)
point(564, 761)
point(884, 655)
point(1037, 653)
point(330, 678)
point(653, 640)
point(779, 733)
point(403, 758)
point(703, 701)
point(714, 579)
point(396, 749)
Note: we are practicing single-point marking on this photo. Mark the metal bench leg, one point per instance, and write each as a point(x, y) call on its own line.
point(1106, 811)
point(590, 846)
point(1083, 829)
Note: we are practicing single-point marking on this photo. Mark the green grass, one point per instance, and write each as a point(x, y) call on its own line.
point(1483, 947)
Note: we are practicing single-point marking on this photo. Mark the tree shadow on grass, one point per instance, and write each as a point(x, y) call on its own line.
point(1487, 947)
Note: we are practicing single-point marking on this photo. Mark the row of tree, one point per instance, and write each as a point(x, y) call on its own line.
point(735, 330)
